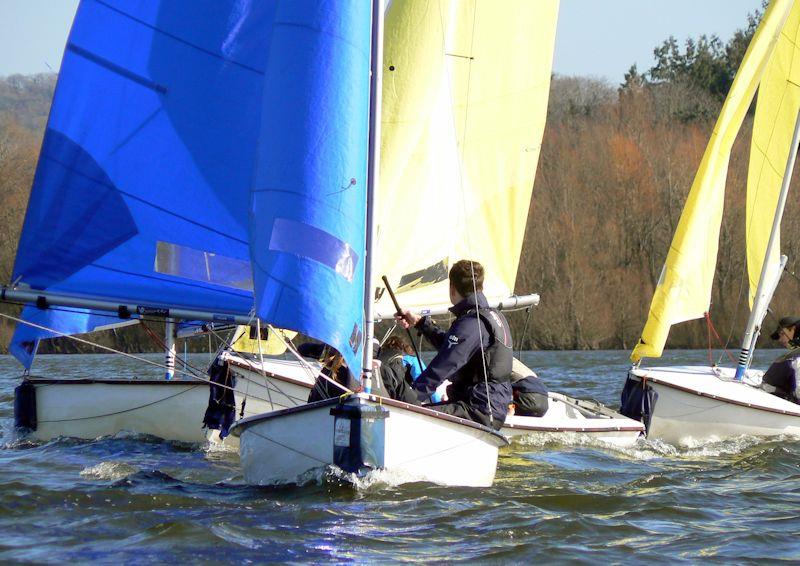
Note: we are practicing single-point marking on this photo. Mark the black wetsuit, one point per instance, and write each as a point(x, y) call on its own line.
point(781, 377)
point(459, 359)
point(395, 377)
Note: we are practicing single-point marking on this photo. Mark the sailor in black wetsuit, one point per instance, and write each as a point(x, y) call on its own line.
point(781, 378)
point(478, 391)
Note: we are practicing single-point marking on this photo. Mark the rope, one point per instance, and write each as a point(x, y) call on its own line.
point(114, 351)
point(159, 342)
point(389, 333)
point(711, 330)
point(524, 332)
point(461, 187)
point(122, 411)
point(708, 334)
point(261, 358)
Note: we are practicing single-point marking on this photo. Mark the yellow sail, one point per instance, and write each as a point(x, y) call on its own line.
point(778, 105)
point(273, 340)
point(684, 288)
point(465, 92)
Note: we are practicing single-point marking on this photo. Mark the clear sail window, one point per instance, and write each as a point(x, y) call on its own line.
point(199, 265)
point(304, 240)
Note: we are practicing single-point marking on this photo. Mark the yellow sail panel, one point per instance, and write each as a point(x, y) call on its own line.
point(500, 58)
point(776, 112)
point(465, 94)
point(273, 340)
point(419, 167)
point(684, 288)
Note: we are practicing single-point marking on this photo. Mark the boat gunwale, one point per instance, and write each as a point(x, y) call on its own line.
point(34, 380)
point(268, 373)
point(587, 429)
point(385, 401)
point(538, 428)
point(716, 397)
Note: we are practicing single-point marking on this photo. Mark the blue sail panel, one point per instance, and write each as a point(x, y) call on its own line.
point(142, 188)
point(141, 192)
point(308, 200)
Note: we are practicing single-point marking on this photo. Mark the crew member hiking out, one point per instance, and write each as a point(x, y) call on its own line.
point(473, 365)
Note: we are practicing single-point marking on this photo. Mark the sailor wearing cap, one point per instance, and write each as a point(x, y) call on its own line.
point(781, 378)
point(786, 331)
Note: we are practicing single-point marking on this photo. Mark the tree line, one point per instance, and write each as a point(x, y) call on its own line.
point(616, 165)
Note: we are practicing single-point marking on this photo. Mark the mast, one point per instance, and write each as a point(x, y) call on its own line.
point(373, 164)
point(762, 293)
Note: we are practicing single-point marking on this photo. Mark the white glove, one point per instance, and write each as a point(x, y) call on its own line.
point(440, 395)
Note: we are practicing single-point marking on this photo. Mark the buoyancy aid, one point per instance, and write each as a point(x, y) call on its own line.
point(499, 356)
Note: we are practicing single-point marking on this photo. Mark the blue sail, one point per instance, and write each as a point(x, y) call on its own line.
point(142, 189)
point(308, 200)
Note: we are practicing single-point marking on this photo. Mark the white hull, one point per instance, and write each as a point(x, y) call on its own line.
point(696, 404)
point(90, 409)
point(568, 417)
point(415, 444)
point(172, 410)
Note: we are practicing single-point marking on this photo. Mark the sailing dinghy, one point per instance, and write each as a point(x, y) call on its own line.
point(462, 133)
point(139, 206)
point(688, 404)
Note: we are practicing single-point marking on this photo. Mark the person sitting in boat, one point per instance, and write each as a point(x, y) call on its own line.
point(393, 375)
point(458, 371)
point(530, 393)
point(781, 377)
point(333, 378)
point(398, 346)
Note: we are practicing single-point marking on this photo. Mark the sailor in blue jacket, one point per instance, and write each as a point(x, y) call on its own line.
point(474, 356)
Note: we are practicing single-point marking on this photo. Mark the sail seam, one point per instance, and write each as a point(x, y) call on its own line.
point(114, 68)
point(179, 39)
point(143, 201)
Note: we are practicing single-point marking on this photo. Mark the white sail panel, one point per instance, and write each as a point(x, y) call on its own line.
point(465, 100)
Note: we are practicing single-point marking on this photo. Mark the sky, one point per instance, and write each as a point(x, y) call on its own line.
point(598, 38)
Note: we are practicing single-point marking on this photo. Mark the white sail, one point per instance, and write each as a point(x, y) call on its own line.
point(465, 95)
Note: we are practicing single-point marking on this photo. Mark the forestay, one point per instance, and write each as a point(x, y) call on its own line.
point(465, 91)
point(684, 288)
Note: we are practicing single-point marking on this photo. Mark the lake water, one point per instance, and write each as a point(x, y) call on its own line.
point(136, 500)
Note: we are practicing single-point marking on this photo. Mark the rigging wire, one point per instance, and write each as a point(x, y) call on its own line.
point(157, 364)
point(524, 332)
point(469, 58)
